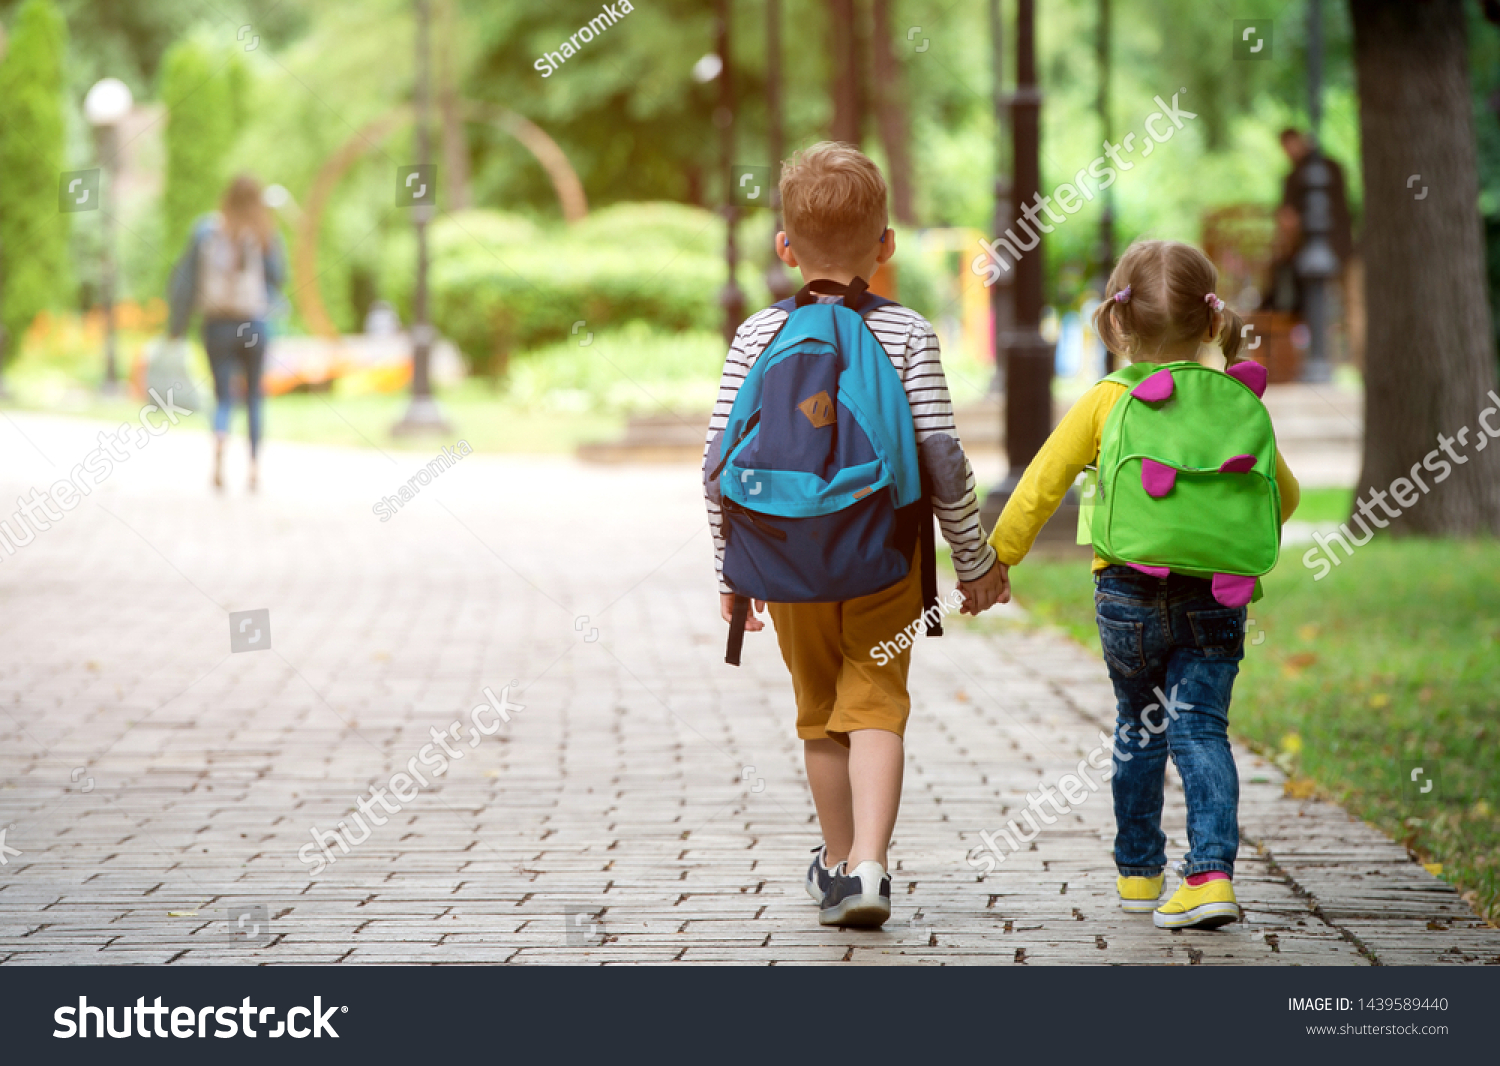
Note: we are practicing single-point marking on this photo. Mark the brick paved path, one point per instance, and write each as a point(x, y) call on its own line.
point(646, 804)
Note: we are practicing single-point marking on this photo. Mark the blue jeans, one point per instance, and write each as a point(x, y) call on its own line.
point(234, 345)
point(1173, 652)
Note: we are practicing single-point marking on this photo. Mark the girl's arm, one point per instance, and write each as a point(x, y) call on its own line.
point(1073, 445)
point(1286, 484)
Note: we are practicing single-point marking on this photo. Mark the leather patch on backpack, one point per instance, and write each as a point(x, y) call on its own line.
point(819, 410)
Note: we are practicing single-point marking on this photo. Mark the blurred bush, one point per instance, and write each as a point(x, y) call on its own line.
point(501, 284)
point(34, 268)
point(634, 369)
point(205, 86)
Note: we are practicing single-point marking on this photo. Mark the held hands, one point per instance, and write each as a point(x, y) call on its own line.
point(984, 592)
point(752, 623)
point(979, 595)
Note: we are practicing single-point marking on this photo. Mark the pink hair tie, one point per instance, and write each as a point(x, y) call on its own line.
point(1123, 296)
point(1212, 300)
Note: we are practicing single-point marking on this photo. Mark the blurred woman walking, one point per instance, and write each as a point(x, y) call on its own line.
point(232, 267)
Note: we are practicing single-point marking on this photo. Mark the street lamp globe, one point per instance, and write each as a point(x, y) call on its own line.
point(107, 102)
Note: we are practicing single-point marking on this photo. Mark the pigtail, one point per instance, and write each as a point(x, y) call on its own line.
point(1231, 336)
point(1110, 319)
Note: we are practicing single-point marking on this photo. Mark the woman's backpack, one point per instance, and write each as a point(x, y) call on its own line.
point(231, 276)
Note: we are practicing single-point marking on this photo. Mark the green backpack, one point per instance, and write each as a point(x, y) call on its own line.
point(1186, 478)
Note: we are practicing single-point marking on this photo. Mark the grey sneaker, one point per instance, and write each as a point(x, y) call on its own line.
point(861, 898)
point(819, 877)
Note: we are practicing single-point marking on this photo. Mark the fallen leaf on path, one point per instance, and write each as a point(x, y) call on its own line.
point(1298, 788)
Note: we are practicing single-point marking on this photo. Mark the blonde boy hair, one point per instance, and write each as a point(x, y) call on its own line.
point(834, 202)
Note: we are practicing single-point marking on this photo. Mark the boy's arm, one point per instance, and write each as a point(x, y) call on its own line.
point(749, 341)
point(954, 499)
point(1073, 445)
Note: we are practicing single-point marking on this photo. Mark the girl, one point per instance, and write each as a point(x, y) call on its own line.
point(1171, 647)
point(231, 270)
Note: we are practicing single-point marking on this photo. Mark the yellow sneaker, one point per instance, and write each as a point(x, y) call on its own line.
point(1206, 906)
point(1139, 895)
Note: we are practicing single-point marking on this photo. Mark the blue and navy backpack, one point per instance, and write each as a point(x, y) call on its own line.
point(817, 470)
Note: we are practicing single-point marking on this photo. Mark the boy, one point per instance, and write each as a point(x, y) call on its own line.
point(852, 707)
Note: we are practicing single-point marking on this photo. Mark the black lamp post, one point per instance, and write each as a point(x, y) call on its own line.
point(1106, 251)
point(105, 107)
point(1002, 295)
point(422, 414)
point(1028, 357)
point(730, 296)
point(777, 279)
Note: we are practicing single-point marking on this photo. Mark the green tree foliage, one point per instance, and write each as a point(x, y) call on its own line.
point(33, 233)
point(203, 89)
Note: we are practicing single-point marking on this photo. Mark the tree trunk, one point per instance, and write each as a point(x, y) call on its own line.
point(848, 100)
point(1430, 364)
point(455, 144)
point(891, 116)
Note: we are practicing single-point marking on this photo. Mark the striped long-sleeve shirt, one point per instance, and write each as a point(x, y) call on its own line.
point(908, 339)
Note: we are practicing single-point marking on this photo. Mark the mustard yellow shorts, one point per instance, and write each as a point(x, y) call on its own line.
point(833, 653)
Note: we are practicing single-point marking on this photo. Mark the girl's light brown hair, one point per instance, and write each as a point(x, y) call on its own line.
point(244, 209)
point(1169, 285)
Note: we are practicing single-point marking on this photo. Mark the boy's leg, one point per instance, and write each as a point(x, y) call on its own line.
point(808, 636)
point(827, 764)
point(872, 707)
point(1200, 680)
point(875, 766)
point(1128, 614)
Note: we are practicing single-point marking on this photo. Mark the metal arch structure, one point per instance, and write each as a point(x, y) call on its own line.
point(307, 297)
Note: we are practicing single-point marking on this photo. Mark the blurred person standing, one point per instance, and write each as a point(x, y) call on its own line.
point(1284, 293)
point(232, 268)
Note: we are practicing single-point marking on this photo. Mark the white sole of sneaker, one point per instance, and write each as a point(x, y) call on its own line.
point(1140, 906)
point(1204, 916)
point(813, 890)
point(859, 911)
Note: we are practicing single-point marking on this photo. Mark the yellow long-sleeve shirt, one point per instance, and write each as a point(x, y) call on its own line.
point(1073, 445)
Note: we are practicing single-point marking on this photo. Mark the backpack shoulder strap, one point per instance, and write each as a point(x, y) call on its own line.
point(1133, 374)
point(856, 296)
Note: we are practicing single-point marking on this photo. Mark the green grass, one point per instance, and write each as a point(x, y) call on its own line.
point(552, 399)
point(1325, 505)
point(489, 421)
point(1391, 661)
